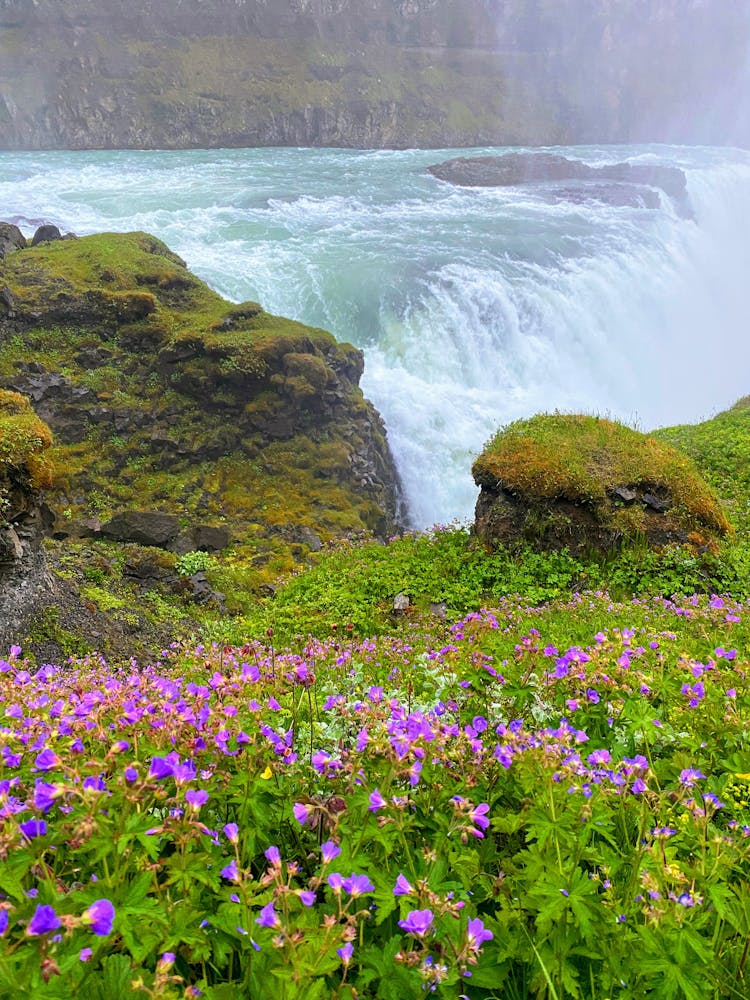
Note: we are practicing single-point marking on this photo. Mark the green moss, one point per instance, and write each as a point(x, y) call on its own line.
point(720, 448)
point(581, 459)
point(24, 440)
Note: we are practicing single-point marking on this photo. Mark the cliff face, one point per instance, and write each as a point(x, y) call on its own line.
point(183, 73)
point(167, 399)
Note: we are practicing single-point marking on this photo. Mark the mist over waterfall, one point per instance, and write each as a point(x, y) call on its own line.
point(474, 307)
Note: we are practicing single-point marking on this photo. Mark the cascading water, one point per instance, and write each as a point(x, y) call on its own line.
point(474, 306)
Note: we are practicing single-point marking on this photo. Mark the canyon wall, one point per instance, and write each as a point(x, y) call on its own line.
point(371, 73)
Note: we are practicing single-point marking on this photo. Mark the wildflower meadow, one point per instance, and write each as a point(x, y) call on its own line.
point(529, 802)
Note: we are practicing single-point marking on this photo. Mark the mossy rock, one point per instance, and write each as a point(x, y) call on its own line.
point(24, 440)
point(590, 485)
point(164, 396)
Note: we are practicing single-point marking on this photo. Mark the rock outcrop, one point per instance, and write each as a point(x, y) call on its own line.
point(194, 73)
point(590, 485)
point(25, 582)
point(629, 183)
point(166, 398)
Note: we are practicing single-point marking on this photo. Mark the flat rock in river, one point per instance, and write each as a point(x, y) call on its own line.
point(514, 169)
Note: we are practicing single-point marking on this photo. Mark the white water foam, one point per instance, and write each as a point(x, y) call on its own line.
point(474, 307)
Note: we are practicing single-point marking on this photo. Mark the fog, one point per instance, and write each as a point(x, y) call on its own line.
point(639, 70)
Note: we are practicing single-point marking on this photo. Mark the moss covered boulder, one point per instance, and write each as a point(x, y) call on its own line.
point(164, 397)
point(590, 485)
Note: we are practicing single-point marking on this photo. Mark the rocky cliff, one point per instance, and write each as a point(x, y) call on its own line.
point(183, 424)
point(186, 73)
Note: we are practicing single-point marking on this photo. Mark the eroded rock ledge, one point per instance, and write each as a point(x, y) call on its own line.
point(167, 400)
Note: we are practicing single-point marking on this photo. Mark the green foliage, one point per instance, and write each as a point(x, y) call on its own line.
point(720, 448)
point(193, 562)
point(352, 587)
point(565, 811)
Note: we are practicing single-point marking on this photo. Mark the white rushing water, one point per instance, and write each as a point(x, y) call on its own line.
point(474, 306)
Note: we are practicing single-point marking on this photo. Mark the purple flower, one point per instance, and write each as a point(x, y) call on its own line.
point(232, 833)
point(196, 799)
point(4, 921)
point(417, 922)
point(94, 784)
point(85, 954)
point(689, 776)
point(477, 934)
point(357, 885)
point(301, 812)
point(33, 828)
point(166, 961)
point(45, 795)
point(345, 952)
point(307, 897)
point(402, 887)
point(336, 881)
point(131, 774)
point(268, 916)
point(230, 872)
point(162, 767)
point(376, 801)
point(478, 817)
point(329, 850)
point(100, 916)
point(43, 921)
point(46, 760)
point(273, 855)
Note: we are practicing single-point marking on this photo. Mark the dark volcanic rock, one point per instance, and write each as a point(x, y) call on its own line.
point(514, 169)
point(208, 538)
point(11, 238)
point(46, 234)
point(143, 527)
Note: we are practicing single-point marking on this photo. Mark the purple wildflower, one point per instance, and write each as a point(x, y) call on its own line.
point(4, 921)
point(232, 833)
point(301, 812)
point(100, 916)
point(402, 887)
point(307, 896)
point(197, 798)
point(33, 828)
point(329, 850)
point(417, 922)
point(357, 885)
point(689, 776)
point(478, 816)
point(46, 760)
point(477, 934)
point(85, 954)
point(273, 855)
point(268, 916)
point(345, 952)
point(376, 801)
point(230, 872)
point(43, 921)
